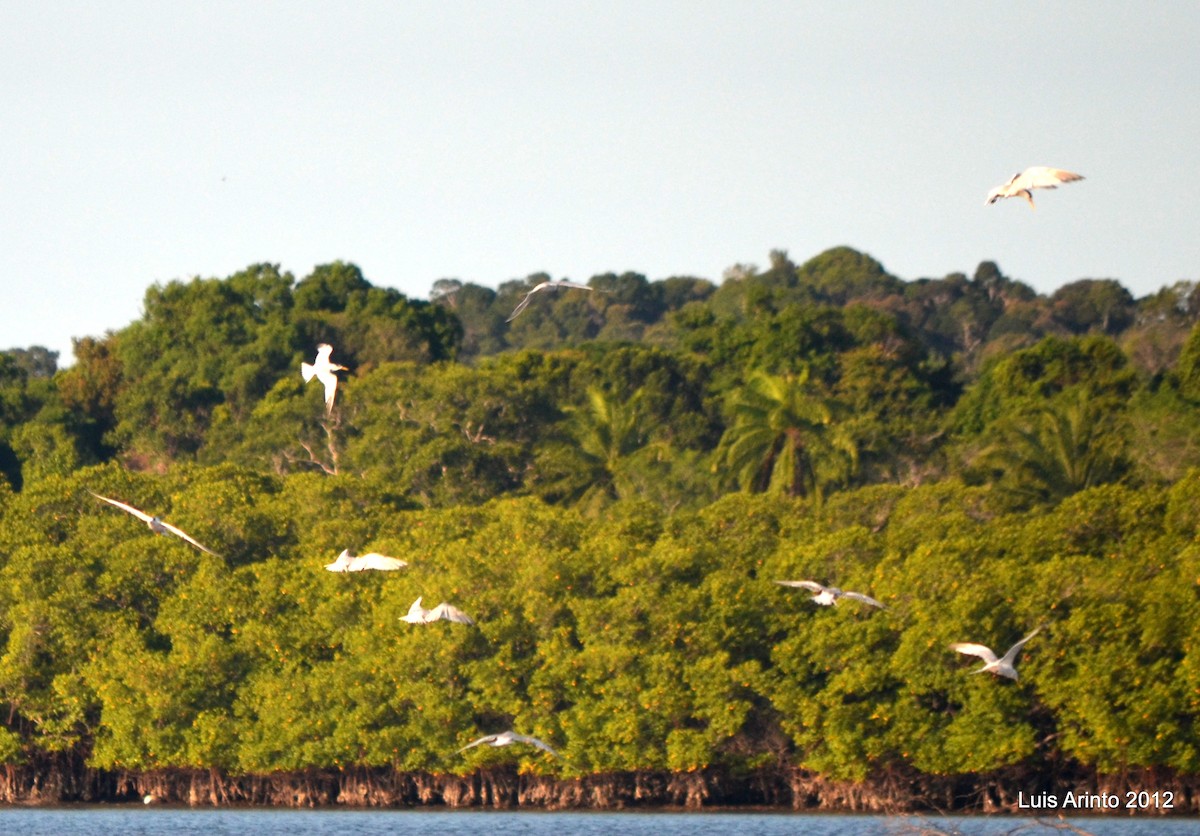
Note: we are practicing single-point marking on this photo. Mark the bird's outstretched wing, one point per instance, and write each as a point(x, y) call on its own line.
point(341, 563)
point(1016, 648)
point(416, 613)
point(179, 532)
point(812, 586)
point(444, 611)
point(141, 515)
point(1044, 177)
point(487, 738)
point(380, 562)
point(971, 649)
point(524, 303)
point(866, 599)
point(330, 382)
point(533, 741)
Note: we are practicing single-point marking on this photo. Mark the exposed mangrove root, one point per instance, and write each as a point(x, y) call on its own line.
point(65, 778)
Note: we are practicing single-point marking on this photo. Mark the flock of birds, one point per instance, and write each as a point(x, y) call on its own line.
point(1021, 184)
point(324, 370)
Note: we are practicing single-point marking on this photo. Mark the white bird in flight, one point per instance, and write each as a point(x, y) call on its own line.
point(507, 738)
point(443, 611)
point(1038, 177)
point(828, 595)
point(348, 561)
point(1002, 666)
point(547, 285)
point(323, 370)
point(157, 525)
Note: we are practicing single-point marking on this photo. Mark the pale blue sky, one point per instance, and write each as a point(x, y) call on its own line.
point(147, 141)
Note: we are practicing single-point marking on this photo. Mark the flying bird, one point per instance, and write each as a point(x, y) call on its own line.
point(348, 561)
point(1002, 666)
point(1038, 177)
point(507, 738)
point(157, 525)
point(442, 612)
point(323, 370)
point(828, 595)
point(547, 285)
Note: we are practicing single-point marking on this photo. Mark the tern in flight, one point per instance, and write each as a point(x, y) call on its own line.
point(1038, 177)
point(828, 595)
point(1002, 666)
point(157, 525)
point(348, 561)
point(442, 612)
point(508, 738)
point(547, 285)
point(323, 370)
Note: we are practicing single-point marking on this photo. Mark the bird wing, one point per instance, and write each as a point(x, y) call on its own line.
point(1044, 177)
point(449, 613)
point(343, 563)
point(329, 381)
point(984, 653)
point(1016, 648)
point(812, 586)
point(179, 532)
point(487, 738)
point(323, 352)
point(141, 515)
point(380, 562)
point(866, 599)
point(523, 304)
point(533, 741)
point(576, 285)
point(416, 613)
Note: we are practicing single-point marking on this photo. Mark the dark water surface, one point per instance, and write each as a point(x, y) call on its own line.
point(69, 821)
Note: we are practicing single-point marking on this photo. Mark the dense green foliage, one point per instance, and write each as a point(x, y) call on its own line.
point(609, 486)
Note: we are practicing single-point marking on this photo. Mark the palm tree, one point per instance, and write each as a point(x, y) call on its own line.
point(783, 438)
point(584, 467)
point(1067, 446)
point(606, 430)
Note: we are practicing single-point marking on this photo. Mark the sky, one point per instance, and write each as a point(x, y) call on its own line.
point(146, 142)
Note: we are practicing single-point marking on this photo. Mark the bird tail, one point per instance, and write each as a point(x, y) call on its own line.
point(307, 370)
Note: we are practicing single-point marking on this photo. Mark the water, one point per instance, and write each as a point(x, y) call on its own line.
point(132, 821)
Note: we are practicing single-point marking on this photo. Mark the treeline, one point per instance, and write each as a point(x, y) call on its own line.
point(627, 390)
point(610, 486)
